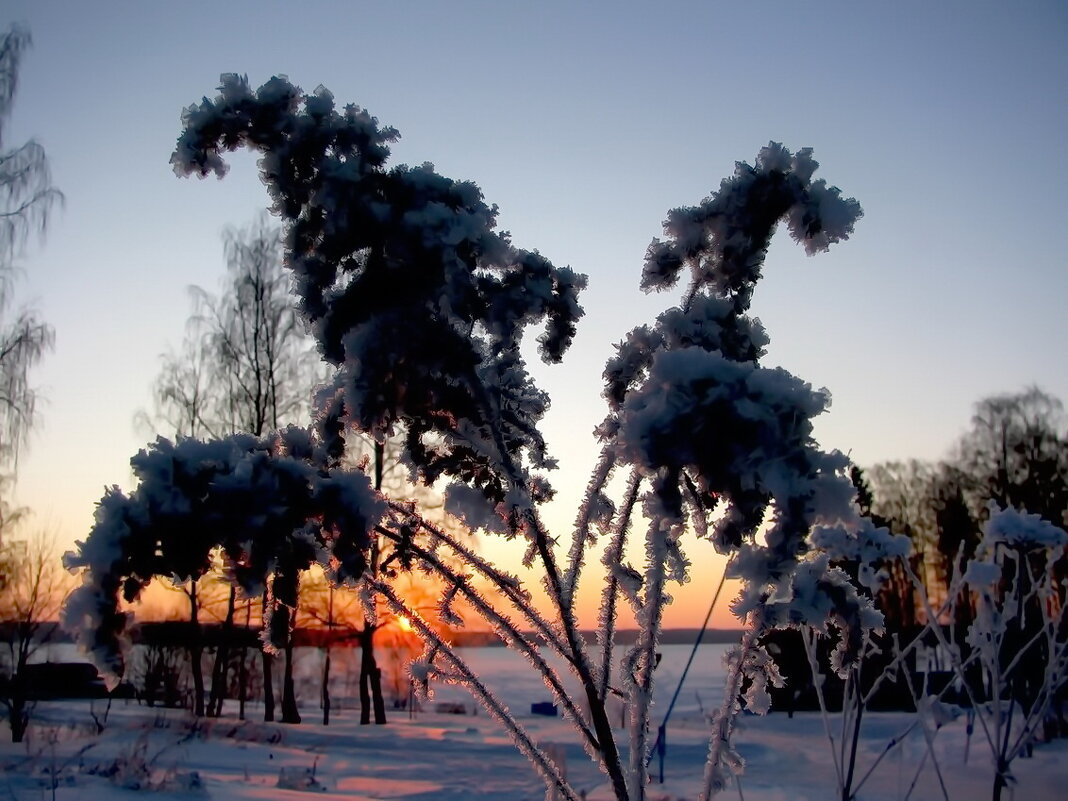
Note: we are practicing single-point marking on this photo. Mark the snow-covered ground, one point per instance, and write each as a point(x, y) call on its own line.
point(448, 756)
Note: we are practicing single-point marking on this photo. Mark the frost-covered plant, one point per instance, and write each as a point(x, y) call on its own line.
point(724, 444)
point(863, 556)
point(421, 306)
point(1016, 656)
point(409, 290)
point(1018, 636)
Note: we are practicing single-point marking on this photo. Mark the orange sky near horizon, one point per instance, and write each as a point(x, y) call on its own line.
point(690, 601)
point(163, 601)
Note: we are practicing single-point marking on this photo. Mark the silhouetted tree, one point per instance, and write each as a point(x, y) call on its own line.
point(901, 500)
point(246, 366)
point(32, 591)
point(956, 527)
point(264, 362)
point(27, 199)
point(272, 504)
point(895, 597)
point(1016, 453)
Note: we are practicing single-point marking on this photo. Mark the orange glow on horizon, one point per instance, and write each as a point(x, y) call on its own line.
point(689, 606)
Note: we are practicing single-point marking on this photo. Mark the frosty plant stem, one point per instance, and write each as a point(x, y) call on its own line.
point(613, 557)
point(420, 307)
point(546, 766)
point(808, 638)
point(928, 737)
point(507, 632)
point(869, 551)
point(1012, 579)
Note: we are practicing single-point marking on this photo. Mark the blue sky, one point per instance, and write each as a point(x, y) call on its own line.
point(585, 122)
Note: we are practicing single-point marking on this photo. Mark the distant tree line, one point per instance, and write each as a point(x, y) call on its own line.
point(160, 672)
point(1015, 454)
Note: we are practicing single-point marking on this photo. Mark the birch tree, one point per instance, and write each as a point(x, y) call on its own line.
point(27, 200)
point(246, 365)
point(33, 588)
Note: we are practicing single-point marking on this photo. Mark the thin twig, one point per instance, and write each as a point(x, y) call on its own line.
point(807, 638)
point(489, 701)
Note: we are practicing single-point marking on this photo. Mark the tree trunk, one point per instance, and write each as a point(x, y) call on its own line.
point(370, 673)
point(268, 677)
point(18, 717)
point(290, 713)
point(17, 692)
point(376, 696)
point(195, 650)
point(326, 687)
point(242, 670)
point(221, 671)
point(326, 658)
point(370, 678)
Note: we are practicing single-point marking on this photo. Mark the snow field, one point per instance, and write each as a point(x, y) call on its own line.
point(448, 757)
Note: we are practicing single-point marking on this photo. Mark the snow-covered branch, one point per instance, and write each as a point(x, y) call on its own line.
point(421, 306)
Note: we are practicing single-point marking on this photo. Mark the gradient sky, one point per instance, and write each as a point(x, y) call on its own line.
point(585, 122)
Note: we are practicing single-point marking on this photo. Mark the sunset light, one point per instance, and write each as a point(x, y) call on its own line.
point(609, 401)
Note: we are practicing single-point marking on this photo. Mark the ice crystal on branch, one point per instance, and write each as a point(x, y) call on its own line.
point(689, 400)
point(411, 293)
point(724, 240)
